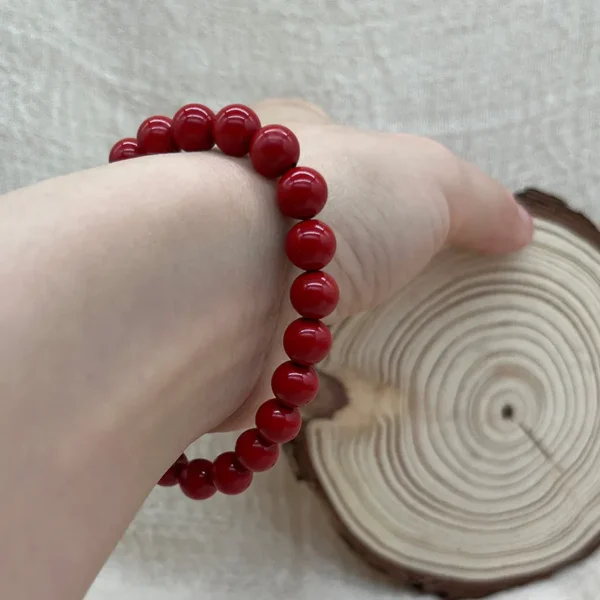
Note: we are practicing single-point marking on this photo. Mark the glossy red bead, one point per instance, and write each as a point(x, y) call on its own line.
point(310, 245)
point(274, 150)
point(255, 452)
point(196, 479)
point(124, 149)
point(314, 295)
point(295, 385)
point(193, 128)
point(171, 476)
point(234, 127)
point(301, 193)
point(307, 342)
point(155, 136)
point(277, 422)
point(229, 475)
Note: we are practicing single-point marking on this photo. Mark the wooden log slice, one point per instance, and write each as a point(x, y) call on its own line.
point(456, 436)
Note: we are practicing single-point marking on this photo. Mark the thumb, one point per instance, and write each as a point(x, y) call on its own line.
point(483, 215)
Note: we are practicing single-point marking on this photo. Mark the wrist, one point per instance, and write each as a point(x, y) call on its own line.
point(183, 273)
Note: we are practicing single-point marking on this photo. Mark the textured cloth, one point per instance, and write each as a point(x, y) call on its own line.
point(511, 85)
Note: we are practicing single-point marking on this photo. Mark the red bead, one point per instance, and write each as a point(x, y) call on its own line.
point(229, 475)
point(301, 193)
point(155, 136)
point(124, 149)
point(196, 480)
point(307, 342)
point(274, 150)
point(254, 452)
point(234, 128)
point(310, 245)
point(295, 385)
point(314, 295)
point(193, 127)
point(171, 476)
point(277, 422)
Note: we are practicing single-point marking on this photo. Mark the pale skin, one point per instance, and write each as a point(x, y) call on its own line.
point(143, 304)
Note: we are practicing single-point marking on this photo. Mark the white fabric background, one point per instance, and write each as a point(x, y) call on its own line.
point(511, 85)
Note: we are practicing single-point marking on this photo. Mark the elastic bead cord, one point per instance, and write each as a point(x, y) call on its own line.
point(310, 245)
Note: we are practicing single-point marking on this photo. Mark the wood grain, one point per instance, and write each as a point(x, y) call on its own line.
point(456, 436)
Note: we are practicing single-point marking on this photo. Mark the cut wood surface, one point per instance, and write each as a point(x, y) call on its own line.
point(456, 436)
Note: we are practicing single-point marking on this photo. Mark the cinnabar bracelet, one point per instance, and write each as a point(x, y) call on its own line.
point(310, 245)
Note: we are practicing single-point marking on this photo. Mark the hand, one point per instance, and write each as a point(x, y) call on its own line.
point(395, 201)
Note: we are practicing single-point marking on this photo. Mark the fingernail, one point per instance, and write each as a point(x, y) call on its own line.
point(527, 221)
point(524, 214)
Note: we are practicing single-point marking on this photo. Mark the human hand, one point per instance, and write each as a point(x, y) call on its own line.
point(395, 201)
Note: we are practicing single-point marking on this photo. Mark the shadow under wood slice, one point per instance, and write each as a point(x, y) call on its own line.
point(456, 436)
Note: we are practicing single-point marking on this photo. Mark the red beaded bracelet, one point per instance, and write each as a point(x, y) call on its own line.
point(310, 245)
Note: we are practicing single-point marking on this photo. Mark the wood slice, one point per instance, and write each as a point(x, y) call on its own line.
point(456, 436)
